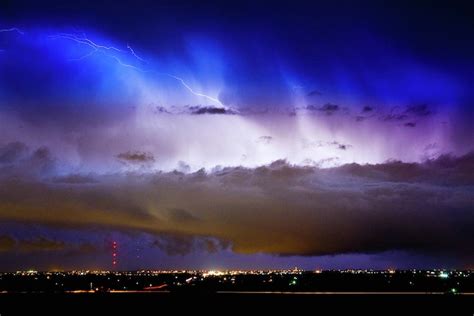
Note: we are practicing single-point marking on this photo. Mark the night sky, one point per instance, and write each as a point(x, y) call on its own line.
point(236, 134)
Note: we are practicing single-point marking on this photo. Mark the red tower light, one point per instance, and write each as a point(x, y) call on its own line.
point(114, 254)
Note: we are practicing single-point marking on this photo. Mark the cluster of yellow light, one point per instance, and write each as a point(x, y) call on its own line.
point(212, 273)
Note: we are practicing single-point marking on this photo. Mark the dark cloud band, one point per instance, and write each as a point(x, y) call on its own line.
point(278, 209)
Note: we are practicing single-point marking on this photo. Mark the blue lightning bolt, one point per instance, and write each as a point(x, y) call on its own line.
point(109, 50)
point(121, 63)
point(13, 29)
point(192, 91)
point(134, 54)
point(84, 40)
point(181, 80)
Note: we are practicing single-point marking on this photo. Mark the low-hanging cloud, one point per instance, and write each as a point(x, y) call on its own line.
point(183, 245)
point(413, 111)
point(328, 108)
point(9, 244)
point(136, 157)
point(199, 110)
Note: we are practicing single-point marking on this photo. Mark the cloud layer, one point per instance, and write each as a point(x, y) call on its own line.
point(276, 209)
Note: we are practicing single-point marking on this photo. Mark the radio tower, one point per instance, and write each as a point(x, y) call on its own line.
point(114, 255)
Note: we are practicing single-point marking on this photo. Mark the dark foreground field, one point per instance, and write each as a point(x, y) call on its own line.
point(229, 303)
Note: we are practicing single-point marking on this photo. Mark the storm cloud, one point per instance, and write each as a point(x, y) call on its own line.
point(277, 209)
point(9, 244)
point(236, 134)
point(136, 157)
